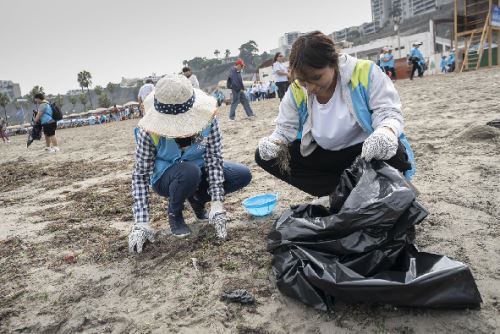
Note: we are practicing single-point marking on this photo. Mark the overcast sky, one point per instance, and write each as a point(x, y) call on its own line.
point(48, 42)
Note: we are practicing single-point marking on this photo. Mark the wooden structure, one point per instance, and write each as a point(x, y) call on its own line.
point(475, 35)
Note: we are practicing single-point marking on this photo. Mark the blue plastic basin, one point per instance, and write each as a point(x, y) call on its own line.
point(260, 205)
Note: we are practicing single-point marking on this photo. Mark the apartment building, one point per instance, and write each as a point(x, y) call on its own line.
point(11, 89)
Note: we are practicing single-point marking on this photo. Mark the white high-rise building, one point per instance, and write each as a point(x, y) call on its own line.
point(381, 12)
point(384, 10)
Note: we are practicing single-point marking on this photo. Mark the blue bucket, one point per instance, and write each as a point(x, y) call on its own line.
point(260, 205)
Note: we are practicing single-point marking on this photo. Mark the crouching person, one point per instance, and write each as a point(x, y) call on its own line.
point(179, 153)
point(337, 108)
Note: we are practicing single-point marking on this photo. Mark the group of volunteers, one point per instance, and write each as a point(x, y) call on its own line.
point(387, 63)
point(447, 64)
point(335, 109)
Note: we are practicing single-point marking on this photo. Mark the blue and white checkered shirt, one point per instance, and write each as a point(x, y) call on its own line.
point(145, 156)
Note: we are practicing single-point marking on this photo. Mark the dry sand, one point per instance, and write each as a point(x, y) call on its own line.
point(64, 265)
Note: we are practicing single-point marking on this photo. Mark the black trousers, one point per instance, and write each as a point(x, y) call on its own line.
point(418, 67)
point(282, 87)
point(319, 173)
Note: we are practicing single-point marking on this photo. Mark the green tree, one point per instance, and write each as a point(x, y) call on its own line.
point(4, 101)
point(185, 62)
point(98, 90)
point(104, 100)
point(59, 100)
point(35, 90)
point(84, 79)
point(111, 87)
point(83, 100)
point(197, 63)
point(227, 54)
point(248, 51)
point(217, 53)
point(73, 100)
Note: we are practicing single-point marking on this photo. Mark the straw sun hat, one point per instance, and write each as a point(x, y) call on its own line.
point(174, 109)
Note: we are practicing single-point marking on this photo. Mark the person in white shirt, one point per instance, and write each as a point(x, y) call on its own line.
point(337, 108)
point(188, 74)
point(144, 91)
point(280, 72)
point(263, 90)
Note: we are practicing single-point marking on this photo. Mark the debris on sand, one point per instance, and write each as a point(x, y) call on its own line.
point(238, 296)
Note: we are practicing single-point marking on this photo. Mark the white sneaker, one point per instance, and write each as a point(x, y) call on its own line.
point(56, 149)
point(50, 150)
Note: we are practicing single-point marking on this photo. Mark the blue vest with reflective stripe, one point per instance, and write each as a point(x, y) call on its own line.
point(169, 153)
point(360, 96)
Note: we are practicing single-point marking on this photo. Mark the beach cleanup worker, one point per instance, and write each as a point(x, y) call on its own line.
point(179, 154)
point(238, 91)
point(49, 125)
point(3, 129)
point(442, 64)
point(417, 60)
point(143, 92)
point(388, 63)
point(186, 71)
point(280, 71)
point(336, 108)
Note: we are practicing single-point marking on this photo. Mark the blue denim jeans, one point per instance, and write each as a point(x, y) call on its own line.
point(186, 179)
point(239, 96)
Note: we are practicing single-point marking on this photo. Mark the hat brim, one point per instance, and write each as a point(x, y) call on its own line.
point(182, 125)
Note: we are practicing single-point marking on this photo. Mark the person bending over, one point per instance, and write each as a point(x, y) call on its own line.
point(337, 108)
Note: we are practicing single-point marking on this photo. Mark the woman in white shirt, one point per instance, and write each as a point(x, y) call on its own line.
point(280, 72)
point(338, 108)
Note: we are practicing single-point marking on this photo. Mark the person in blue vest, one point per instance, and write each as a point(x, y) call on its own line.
point(388, 63)
point(417, 60)
point(442, 64)
point(337, 108)
point(179, 154)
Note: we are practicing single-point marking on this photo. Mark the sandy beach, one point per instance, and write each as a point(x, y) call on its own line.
point(64, 220)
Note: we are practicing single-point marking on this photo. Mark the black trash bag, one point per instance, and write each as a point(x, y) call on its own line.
point(35, 133)
point(360, 252)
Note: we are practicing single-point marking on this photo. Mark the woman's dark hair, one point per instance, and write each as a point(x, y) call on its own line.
point(315, 50)
point(276, 56)
point(39, 96)
point(185, 69)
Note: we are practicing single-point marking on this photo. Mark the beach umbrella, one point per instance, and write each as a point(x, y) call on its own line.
point(131, 103)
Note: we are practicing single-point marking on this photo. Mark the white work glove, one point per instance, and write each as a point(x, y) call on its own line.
point(382, 144)
point(217, 217)
point(139, 234)
point(268, 149)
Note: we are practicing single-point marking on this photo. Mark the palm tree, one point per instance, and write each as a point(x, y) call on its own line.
point(4, 101)
point(185, 62)
point(85, 80)
point(227, 53)
point(217, 53)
